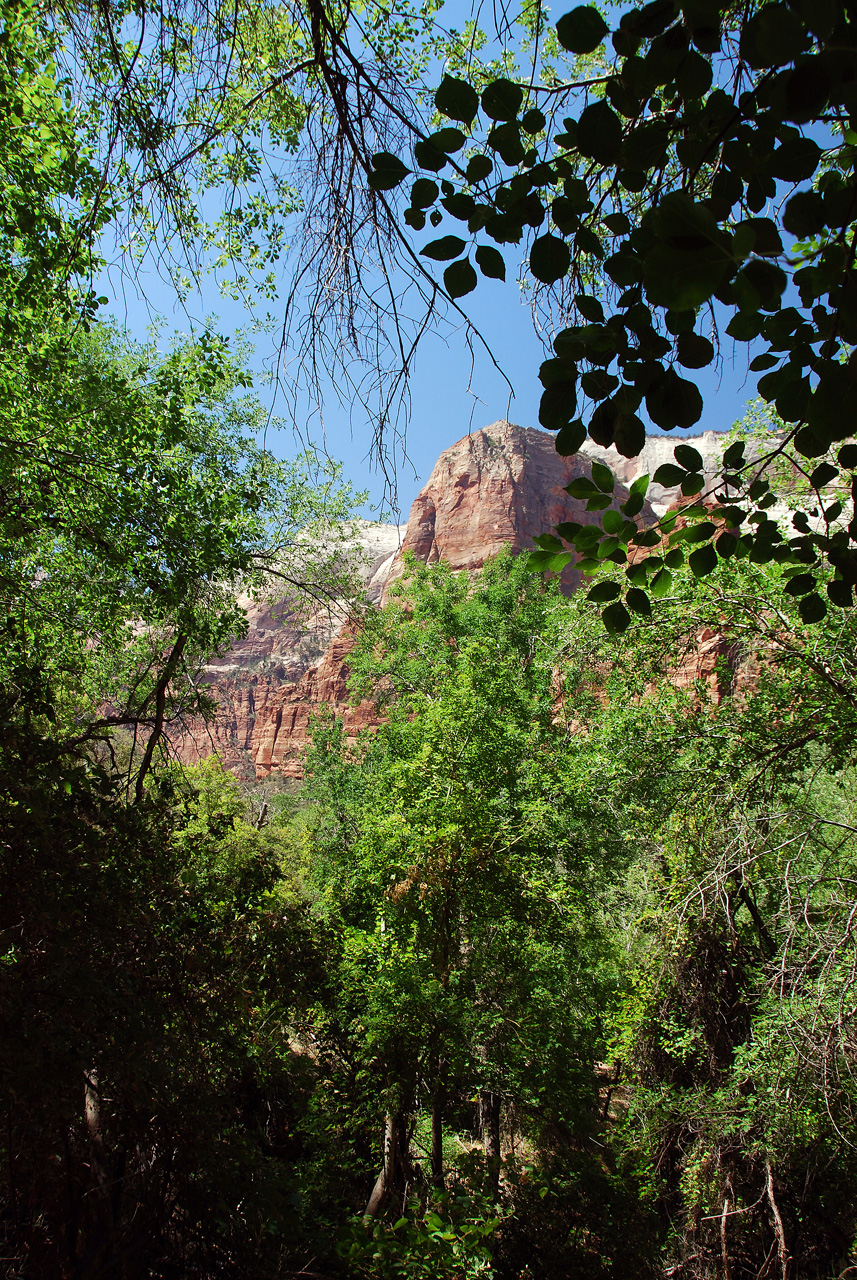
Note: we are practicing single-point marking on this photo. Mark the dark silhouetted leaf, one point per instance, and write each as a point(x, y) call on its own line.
point(839, 593)
point(387, 172)
point(599, 133)
point(550, 259)
point(570, 438)
point(490, 262)
point(444, 248)
point(812, 608)
point(616, 618)
point(558, 405)
point(582, 30)
point(533, 121)
point(774, 36)
point(604, 591)
point(688, 457)
point(460, 278)
point(479, 167)
point(638, 601)
point(501, 100)
point(456, 99)
point(424, 192)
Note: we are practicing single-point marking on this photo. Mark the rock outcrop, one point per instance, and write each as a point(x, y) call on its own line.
point(286, 665)
point(498, 487)
point(501, 486)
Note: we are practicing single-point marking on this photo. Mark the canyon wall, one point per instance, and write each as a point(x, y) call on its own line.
point(500, 486)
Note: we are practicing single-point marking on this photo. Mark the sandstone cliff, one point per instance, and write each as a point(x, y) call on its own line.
point(500, 486)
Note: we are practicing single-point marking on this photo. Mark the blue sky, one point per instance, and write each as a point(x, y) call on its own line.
point(451, 393)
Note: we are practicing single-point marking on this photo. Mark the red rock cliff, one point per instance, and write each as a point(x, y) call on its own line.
point(500, 486)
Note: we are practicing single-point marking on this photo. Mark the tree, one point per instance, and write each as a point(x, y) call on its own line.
point(638, 172)
point(733, 1032)
point(466, 862)
point(656, 182)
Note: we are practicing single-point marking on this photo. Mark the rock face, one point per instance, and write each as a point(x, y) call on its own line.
point(267, 684)
point(498, 487)
point(501, 486)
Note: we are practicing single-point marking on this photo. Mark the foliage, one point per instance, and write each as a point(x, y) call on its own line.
point(644, 185)
point(148, 987)
point(467, 863)
point(734, 1031)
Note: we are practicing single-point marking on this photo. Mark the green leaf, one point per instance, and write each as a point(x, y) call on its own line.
point(799, 584)
point(688, 457)
point(691, 256)
point(694, 351)
point(774, 36)
point(703, 560)
point(796, 159)
point(612, 521)
point(506, 140)
point(839, 593)
point(599, 133)
point(447, 140)
point(694, 76)
point(456, 99)
point(581, 487)
point(460, 278)
point(533, 121)
point(604, 591)
point(550, 259)
point(629, 435)
point(603, 477)
point(570, 438)
point(638, 601)
point(387, 172)
point(590, 308)
point(669, 475)
point(804, 214)
point(501, 100)
point(745, 326)
point(491, 262)
point(558, 405)
point(444, 248)
point(616, 618)
point(823, 474)
point(479, 167)
point(812, 608)
point(661, 584)
point(582, 30)
point(424, 192)
point(672, 401)
point(428, 157)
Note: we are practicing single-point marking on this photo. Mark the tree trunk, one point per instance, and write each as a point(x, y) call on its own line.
point(384, 1181)
point(437, 1142)
point(489, 1128)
